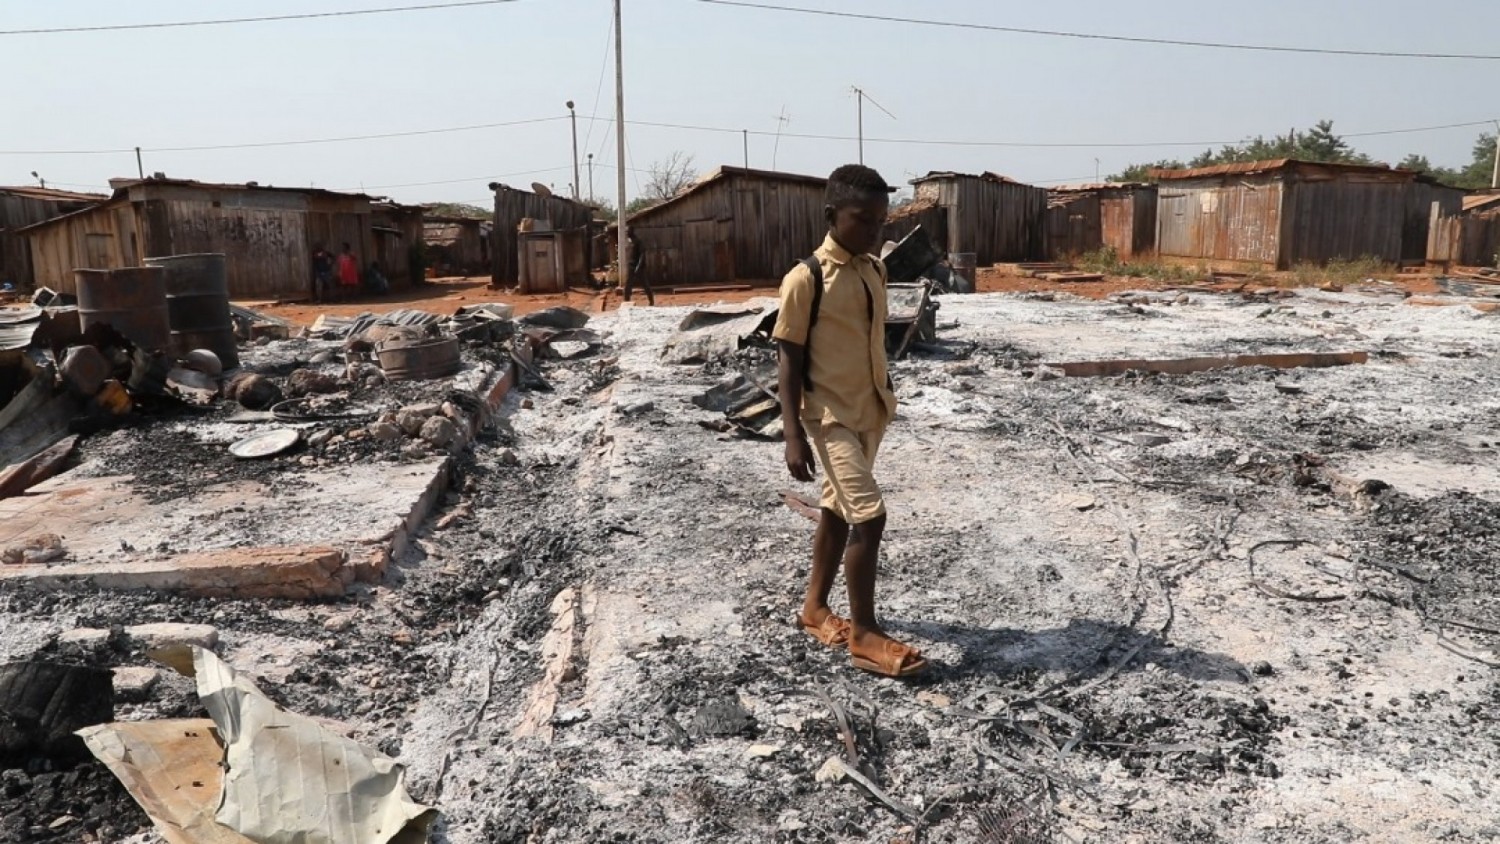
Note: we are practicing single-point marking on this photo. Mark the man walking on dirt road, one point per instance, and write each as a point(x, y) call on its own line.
point(830, 335)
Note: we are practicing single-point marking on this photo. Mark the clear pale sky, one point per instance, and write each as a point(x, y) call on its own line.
point(694, 63)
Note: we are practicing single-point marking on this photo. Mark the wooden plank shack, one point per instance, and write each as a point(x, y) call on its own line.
point(996, 218)
point(266, 234)
point(1085, 218)
point(1284, 212)
point(21, 206)
point(733, 225)
point(1464, 239)
point(511, 207)
point(458, 245)
point(397, 231)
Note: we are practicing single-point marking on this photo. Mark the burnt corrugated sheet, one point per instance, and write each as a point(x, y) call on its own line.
point(996, 219)
point(511, 207)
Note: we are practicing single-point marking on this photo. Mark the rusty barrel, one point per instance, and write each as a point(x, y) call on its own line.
point(132, 299)
point(405, 360)
point(198, 305)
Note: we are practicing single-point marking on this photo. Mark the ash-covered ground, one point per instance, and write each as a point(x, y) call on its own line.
point(1161, 608)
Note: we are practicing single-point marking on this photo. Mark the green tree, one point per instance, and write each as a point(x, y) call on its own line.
point(1476, 174)
point(1142, 172)
point(641, 203)
point(1319, 143)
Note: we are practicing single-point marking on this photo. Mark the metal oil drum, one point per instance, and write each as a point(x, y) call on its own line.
point(133, 300)
point(198, 305)
point(405, 360)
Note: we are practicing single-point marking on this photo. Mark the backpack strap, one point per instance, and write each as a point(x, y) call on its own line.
point(815, 267)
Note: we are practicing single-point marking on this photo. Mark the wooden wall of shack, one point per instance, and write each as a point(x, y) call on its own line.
point(267, 236)
point(397, 233)
point(740, 226)
point(1465, 239)
point(458, 246)
point(996, 219)
point(511, 207)
point(21, 207)
point(1302, 213)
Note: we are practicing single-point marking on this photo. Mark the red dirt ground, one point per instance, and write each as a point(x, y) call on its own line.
point(445, 295)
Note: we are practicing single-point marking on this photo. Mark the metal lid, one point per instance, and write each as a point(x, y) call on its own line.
point(265, 445)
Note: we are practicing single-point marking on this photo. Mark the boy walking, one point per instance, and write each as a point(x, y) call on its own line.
point(835, 391)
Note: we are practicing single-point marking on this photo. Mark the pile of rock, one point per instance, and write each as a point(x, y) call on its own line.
point(439, 427)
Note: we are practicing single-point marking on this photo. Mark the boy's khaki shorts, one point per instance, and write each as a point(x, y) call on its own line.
point(848, 461)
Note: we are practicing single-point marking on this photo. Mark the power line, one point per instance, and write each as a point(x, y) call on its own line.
point(1027, 144)
point(266, 19)
point(302, 142)
point(730, 131)
point(1129, 39)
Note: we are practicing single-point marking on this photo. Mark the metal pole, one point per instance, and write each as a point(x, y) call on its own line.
point(139, 168)
point(1495, 174)
point(860, 96)
point(622, 248)
point(746, 134)
point(573, 116)
point(591, 177)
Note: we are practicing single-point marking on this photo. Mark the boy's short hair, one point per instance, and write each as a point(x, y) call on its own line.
point(854, 183)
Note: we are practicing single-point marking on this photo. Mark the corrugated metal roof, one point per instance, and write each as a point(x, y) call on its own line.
point(123, 184)
point(122, 189)
point(1097, 186)
point(951, 174)
point(1249, 168)
point(1480, 200)
point(50, 194)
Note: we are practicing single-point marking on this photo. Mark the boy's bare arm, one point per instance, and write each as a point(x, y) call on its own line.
point(799, 455)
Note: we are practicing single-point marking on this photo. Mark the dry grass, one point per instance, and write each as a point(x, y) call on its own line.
point(1341, 272)
point(1108, 262)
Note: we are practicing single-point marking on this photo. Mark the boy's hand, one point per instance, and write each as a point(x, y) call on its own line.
point(799, 458)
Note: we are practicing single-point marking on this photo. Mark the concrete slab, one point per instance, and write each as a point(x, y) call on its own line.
point(305, 527)
point(298, 572)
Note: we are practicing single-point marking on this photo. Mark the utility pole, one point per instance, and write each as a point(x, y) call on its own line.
point(860, 94)
point(622, 248)
point(745, 133)
point(781, 121)
point(591, 177)
point(573, 116)
point(140, 169)
point(1495, 173)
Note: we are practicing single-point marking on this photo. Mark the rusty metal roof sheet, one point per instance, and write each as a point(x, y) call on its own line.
point(124, 184)
point(50, 194)
point(1250, 168)
point(951, 174)
point(1099, 186)
point(1480, 200)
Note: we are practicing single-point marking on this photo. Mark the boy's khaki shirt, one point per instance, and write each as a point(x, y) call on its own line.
point(850, 385)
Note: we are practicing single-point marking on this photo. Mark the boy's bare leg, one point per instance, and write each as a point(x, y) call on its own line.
point(861, 561)
point(828, 546)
